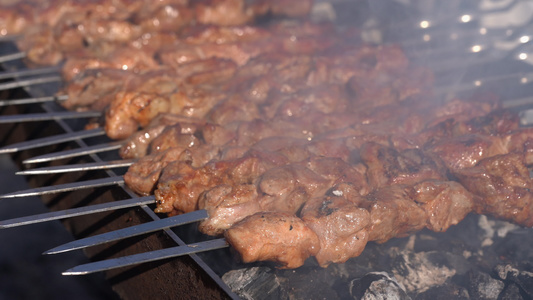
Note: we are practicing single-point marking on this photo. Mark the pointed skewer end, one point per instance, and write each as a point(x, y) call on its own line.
point(70, 272)
point(7, 196)
point(8, 150)
point(52, 251)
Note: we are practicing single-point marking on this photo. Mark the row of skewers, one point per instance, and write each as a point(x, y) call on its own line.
point(290, 139)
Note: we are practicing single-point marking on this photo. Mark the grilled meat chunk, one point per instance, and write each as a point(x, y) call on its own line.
point(274, 236)
point(387, 166)
point(393, 213)
point(446, 203)
point(340, 225)
point(504, 186)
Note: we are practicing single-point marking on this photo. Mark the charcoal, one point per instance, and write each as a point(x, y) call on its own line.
point(482, 286)
point(511, 292)
point(522, 279)
point(254, 283)
point(377, 286)
point(420, 271)
point(444, 292)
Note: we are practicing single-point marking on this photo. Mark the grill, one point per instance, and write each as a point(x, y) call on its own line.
point(468, 53)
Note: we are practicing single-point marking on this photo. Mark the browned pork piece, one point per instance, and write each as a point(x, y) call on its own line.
point(467, 150)
point(129, 109)
point(387, 166)
point(237, 43)
point(340, 225)
point(176, 143)
point(131, 59)
point(138, 144)
point(238, 12)
point(504, 184)
point(446, 203)
point(275, 236)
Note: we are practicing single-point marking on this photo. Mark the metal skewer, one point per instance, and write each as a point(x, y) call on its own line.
point(66, 187)
point(131, 231)
point(79, 167)
point(74, 212)
point(52, 140)
point(13, 56)
point(28, 82)
point(29, 72)
point(49, 116)
point(146, 257)
point(74, 152)
point(33, 100)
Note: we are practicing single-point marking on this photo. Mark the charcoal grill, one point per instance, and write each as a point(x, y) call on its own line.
point(466, 53)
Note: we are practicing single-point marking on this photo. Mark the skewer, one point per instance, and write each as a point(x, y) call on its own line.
point(13, 56)
point(33, 100)
point(52, 140)
point(74, 152)
point(49, 116)
point(28, 82)
point(28, 72)
point(74, 212)
point(79, 167)
point(146, 257)
point(67, 187)
point(131, 231)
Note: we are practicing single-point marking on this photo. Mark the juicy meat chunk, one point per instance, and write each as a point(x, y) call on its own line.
point(236, 43)
point(166, 18)
point(337, 171)
point(273, 236)
point(40, 47)
point(138, 143)
point(386, 166)
point(129, 110)
point(125, 58)
point(227, 205)
point(144, 174)
point(94, 88)
point(446, 203)
point(118, 31)
point(504, 186)
point(286, 188)
point(466, 150)
point(393, 213)
point(340, 225)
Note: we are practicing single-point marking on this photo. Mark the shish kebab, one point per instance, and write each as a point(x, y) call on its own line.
point(433, 203)
point(338, 193)
point(55, 29)
point(494, 127)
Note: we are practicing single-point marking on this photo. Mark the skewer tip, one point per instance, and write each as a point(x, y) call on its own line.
point(8, 196)
point(70, 272)
point(56, 250)
point(8, 150)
